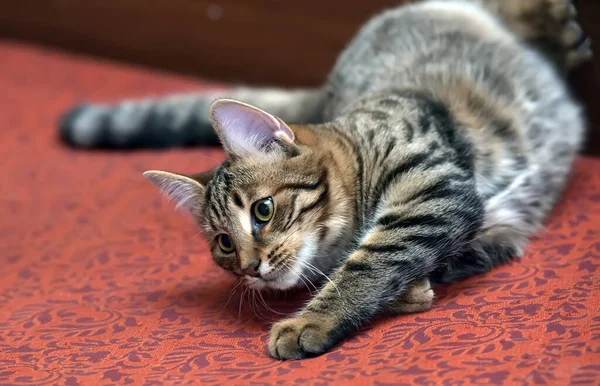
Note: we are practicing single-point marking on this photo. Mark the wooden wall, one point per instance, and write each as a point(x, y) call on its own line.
point(285, 42)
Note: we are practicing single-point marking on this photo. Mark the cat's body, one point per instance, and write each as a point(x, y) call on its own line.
point(445, 140)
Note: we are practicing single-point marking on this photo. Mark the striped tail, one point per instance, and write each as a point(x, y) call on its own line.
point(176, 120)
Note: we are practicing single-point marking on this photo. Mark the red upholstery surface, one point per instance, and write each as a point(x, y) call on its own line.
point(103, 283)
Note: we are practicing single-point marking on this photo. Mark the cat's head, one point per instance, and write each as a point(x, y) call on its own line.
point(273, 211)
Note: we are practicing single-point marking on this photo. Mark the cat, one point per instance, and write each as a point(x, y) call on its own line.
point(441, 140)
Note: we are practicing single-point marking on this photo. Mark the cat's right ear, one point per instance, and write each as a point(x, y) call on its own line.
point(187, 192)
point(247, 131)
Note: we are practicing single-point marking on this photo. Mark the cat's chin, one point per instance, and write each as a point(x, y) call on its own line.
point(285, 283)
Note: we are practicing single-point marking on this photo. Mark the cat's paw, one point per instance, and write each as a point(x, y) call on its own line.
point(305, 336)
point(552, 20)
point(417, 298)
point(574, 41)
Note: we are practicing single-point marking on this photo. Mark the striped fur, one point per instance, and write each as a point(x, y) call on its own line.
point(175, 120)
point(446, 137)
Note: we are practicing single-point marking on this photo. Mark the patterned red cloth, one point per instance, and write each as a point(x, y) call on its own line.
point(103, 283)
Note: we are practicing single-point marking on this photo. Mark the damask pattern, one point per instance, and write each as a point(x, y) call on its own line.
point(103, 283)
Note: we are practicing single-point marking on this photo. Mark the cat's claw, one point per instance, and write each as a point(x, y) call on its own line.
point(305, 336)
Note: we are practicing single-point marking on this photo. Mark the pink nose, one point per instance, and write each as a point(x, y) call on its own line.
point(252, 268)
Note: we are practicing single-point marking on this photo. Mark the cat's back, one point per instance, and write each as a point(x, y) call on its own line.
point(508, 99)
point(462, 55)
point(424, 45)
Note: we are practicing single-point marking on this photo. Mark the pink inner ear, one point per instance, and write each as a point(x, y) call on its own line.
point(241, 120)
point(247, 128)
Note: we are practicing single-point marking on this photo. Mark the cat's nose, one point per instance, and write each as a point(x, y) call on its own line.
point(251, 268)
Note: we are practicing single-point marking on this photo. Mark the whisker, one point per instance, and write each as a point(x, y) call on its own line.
point(306, 285)
point(232, 292)
point(260, 302)
point(310, 266)
point(269, 308)
point(251, 300)
point(256, 304)
point(302, 278)
point(241, 301)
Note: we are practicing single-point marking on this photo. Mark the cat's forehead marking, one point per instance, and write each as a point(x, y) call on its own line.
point(245, 220)
point(231, 181)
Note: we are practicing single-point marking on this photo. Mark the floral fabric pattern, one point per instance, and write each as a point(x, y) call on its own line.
point(104, 283)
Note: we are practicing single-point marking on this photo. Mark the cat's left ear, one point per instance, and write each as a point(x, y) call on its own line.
point(247, 131)
point(186, 191)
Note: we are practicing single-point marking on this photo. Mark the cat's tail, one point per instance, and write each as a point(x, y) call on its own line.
point(177, 120)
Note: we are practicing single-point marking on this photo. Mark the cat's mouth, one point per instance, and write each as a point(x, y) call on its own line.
point(292, 276)
point(280, 281)
point(256, 283)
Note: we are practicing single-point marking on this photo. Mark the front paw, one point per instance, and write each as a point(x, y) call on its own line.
point(305, 336)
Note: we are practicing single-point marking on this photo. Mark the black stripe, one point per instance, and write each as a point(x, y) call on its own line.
point(357, 266)
point(238, 200)
point(208, 210)
point(503, 129)
point(389, 149)
point(292, 207)
point(409, 129)
point(321, 309)
point(440, 189)
point(221, 204)
point(431, 241)
point(425, 123)
point(439, 194)
point(208, 192)
point(303, 185)
point(371, 136)
point(211, 221)
point(383, 248)
point(321, 200)
point(360, 184)
point(278, 260)
point(389, 103)
point(394, 221)
point(377, 115)
point(356, 151)
point(227, 181)
point(399, 265)
point(323, 233)
point(414, 161)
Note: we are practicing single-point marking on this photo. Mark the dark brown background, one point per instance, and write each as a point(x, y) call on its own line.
point(284, 42)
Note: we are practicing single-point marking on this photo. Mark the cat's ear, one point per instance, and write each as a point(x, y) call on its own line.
point(187, 192)
point(246, 130)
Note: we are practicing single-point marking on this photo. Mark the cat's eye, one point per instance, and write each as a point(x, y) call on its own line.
point(225, 243)
point(263, 210)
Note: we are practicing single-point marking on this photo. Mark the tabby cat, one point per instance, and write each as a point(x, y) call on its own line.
point(443, 137)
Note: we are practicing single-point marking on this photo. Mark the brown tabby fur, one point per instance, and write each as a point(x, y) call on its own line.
point(414, 176)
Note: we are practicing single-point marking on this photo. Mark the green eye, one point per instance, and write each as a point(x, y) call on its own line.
point(263, 210)
point(225, 243)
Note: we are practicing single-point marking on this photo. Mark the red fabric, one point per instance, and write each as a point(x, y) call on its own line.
point(103, 283)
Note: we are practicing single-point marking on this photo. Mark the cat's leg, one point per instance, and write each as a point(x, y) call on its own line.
point(373, 279)
point(550, 25)
point(314, 333)
point(430, 218)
